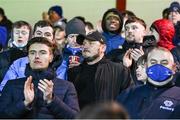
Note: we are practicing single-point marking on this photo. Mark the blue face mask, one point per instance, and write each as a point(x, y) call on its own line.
point(159, 73)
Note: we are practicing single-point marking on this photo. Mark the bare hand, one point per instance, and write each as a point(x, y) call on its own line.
point(127, 59)
point(73, 64)
point(137, 53)
point(28, 91)
point(46, 86)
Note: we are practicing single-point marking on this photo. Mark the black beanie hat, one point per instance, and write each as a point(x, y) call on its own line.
point(57, 9)
point(75, 26)
point(175, 6)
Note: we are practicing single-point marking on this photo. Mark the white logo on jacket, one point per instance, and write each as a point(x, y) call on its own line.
point(167, 105)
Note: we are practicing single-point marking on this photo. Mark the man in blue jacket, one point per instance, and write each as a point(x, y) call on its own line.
point(159, 98)
point(112, 23)
point(40, 94)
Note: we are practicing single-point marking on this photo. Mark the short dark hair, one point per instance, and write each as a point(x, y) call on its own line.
point(89, 25)
point(21, 23)
point(142, 60)
point(165, 13)
point(136, 19)
point(103, 110)
point(42, 23)
point(41, 40)
point(128, 13)
point(2, 11)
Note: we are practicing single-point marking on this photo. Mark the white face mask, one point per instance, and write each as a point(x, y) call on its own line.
point(20, 45)
point(21, 36)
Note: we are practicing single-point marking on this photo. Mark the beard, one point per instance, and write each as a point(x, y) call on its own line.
point(92, 58)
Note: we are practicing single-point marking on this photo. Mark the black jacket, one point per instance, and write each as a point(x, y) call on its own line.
point(6, 59)
point(108, 79)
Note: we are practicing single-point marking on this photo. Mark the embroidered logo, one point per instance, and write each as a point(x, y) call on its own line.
point(167, 105)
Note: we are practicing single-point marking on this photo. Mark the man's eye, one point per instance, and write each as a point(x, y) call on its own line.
point(153, 62)
point(31, 53)
point(47, 34)
point(43, 52)
point(24, 32)
point(134, 28)
point(38, 34)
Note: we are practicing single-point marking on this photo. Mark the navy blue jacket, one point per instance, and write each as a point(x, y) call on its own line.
point(149, 102)
point(63, 105)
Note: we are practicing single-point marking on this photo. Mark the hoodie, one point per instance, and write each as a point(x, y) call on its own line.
point(113, 38)
point(166, 32)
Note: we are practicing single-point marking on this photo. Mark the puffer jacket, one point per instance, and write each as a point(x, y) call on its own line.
point(166, 32)
point(64, 104)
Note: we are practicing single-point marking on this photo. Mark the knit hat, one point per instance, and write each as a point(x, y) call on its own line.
point(175, 6)
point(75, 26)
point(111, 14)
point(57, 9)
point(92, 36)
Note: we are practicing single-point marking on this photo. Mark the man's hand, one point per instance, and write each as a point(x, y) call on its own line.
point(74, 64)
point(28, 91)
point(74, 61)
point(137, 53)
point(127, 59)
point(46, 86)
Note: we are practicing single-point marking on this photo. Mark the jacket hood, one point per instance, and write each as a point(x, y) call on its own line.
point(116, 12)
point(166, 33)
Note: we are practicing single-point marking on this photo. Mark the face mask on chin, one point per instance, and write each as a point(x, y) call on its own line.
point(20, 45)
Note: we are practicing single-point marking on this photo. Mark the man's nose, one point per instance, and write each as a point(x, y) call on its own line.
point(20, 34)
point(36, 55)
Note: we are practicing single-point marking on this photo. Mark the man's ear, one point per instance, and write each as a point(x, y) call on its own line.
point(174, 68)
point(51, 57)
point(104, 48)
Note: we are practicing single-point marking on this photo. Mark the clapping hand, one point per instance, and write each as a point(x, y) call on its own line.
point(46, 86)
point(28, 91)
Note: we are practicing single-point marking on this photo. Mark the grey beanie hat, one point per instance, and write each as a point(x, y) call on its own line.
point(75, 26)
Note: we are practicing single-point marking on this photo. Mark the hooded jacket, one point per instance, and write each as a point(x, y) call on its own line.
point(166, 32)
point(113, 39)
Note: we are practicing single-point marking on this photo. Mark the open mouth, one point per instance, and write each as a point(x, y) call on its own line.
point(20, 41)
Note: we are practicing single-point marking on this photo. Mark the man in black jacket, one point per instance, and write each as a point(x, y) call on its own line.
point(97, 79)
point(41, 94)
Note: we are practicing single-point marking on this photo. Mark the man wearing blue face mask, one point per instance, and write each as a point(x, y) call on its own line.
point(159, 98)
